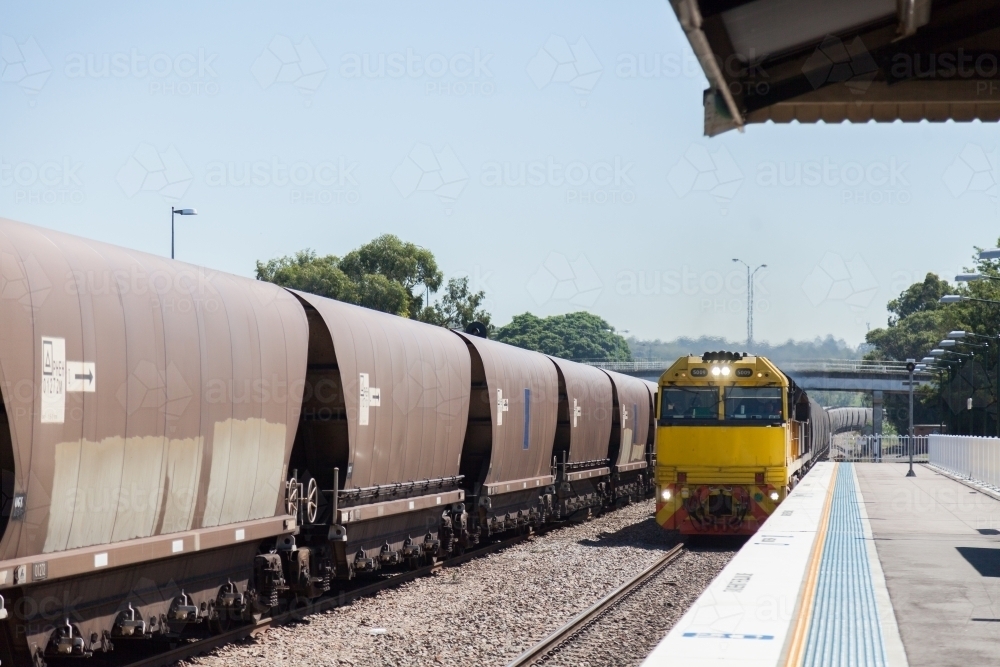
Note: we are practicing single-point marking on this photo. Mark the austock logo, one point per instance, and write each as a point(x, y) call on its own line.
point(836, 62)
point(26, 283)
point(456, 74)
point(558, 279)
point(877, 182)
point(834, 279)
point(560, 62)
point(184, 74)
point(714, 173)
point(325, 182)
point(601, 182)
point(149, 170)
point(283, 61)
point(424, 170)
point(974, 170)
point(49, 182)
point(23, 64)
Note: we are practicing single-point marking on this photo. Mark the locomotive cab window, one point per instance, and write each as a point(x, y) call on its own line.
point(757, 404)
point(679, 404)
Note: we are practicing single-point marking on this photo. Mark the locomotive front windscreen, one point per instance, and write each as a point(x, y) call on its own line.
point(689, 403)
point(753, 404)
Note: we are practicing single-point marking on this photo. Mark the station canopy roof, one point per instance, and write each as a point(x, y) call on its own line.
point(837, 60)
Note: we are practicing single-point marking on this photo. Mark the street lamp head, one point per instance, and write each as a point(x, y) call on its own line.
point(735, 260)
point(957, 334)
point(763, 266)
point(928, 360)
point(951, 298)
point(992, 253)
point(936, 352)
point(186, 211)
point(968, 277)
point(947, 343)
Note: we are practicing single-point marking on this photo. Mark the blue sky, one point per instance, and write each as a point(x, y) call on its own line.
point(552, 152)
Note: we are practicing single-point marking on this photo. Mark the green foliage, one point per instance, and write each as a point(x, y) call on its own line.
point(918, 298)
point(458, 307)
point(386, 274)
point(918, 322)
point(308, 272)
point(405, 264)
point(574, 336)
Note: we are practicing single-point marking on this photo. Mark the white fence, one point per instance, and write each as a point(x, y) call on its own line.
point(877, 448)
point(973, 458)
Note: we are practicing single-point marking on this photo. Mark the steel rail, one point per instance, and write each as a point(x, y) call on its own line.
point(200, 646)
point(552, 644)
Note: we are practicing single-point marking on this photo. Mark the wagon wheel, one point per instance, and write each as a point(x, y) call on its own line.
point(311, 500)
point(292, 497)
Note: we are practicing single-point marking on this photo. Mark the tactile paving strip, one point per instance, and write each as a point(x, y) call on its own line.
point(844, 628)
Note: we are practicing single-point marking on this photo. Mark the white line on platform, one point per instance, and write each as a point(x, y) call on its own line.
point(894, 652)
point(745, 615)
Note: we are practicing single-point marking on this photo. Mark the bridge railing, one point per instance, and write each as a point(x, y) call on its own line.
point(846, 366)
point(878, 448)
point(631, 366)
point(859, 366)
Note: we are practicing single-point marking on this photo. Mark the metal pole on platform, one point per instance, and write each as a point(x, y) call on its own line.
point(910, 365)
point(972, 397)
point(997, 396)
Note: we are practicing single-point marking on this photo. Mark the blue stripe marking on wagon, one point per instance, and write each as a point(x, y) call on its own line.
point(844, 628)
point(527, 418)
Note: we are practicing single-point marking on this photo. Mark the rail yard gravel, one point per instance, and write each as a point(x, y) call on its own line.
point(489, 610)
point(616, 639)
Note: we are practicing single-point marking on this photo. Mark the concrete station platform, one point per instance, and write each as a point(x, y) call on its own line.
point(859, 566)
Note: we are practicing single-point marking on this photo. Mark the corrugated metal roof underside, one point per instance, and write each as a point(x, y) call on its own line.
point(844, 629)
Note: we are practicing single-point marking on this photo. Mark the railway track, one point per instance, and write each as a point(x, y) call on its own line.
point(562, 640)
point(200, 646)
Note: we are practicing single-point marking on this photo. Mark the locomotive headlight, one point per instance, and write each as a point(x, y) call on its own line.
point(665, 494)
point(715, 370)
point(725, 370)
point(774, 496)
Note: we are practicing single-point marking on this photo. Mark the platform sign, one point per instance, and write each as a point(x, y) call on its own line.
point(53, 380)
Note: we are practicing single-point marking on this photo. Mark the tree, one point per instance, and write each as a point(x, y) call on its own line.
point(408, 265)
point(458, 307)
point(386, 274)
point(308, 272)
point(574, 336)
point(917, 321)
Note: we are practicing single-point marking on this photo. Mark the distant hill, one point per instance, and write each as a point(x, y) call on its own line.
point(820, 348)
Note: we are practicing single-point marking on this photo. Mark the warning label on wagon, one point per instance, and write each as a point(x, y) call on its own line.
point(53, 380)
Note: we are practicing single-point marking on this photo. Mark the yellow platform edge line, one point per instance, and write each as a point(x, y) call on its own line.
point(794, 652)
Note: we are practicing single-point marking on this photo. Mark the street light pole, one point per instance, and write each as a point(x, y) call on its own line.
point(750, 276)
point(173, 212)
point(910, 365)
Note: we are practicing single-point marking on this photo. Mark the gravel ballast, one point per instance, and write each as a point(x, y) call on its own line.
point(489, 610)
point(615, 638)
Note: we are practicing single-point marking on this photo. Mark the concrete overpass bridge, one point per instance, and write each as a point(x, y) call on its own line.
point(855, 375)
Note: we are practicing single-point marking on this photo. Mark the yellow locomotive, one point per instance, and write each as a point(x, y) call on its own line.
point(734, 435)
